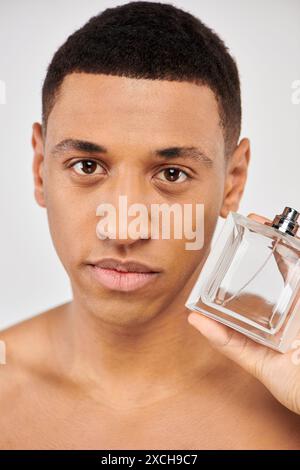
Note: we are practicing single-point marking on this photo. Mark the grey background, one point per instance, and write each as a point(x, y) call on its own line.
point(263, 36)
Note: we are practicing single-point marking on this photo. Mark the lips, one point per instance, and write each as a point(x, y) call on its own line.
point(122, 276)
point(124, 266)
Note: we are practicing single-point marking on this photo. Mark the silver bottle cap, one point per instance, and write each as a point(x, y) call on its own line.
point(287, 221)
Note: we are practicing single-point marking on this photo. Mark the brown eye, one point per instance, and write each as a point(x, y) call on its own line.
point(174, 175)
point(87, 167)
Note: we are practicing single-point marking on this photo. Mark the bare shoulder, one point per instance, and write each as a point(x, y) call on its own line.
point(26, 376)
point(24, 348)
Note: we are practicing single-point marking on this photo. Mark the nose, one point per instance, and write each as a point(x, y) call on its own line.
point(124, 213)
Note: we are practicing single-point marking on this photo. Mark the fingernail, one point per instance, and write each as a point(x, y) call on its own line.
point(193, 319)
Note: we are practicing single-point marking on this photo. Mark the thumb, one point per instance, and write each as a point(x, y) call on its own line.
point(234, 345)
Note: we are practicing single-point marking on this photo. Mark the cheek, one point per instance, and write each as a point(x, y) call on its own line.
point(195, 249)
point(206, 205)
point(72, 223)
point(184, 256)
point(212, 199)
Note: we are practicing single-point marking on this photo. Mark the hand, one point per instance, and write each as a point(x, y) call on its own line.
point(280, 373)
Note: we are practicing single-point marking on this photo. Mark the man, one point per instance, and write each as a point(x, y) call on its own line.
point(142, 101)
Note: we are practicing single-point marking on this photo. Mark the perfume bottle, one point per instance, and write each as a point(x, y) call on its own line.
point(251, 279)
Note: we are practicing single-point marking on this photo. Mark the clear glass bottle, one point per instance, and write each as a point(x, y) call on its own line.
point(251, 279)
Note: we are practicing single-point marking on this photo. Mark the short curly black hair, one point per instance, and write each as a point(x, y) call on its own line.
point(151, 40)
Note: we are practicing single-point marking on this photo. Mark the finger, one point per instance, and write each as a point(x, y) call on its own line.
point(234, 345)
point(258, 218)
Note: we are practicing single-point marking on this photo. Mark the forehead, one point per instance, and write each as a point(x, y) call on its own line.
point(121, 109)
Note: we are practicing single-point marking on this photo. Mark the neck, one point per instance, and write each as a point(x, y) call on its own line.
point(140, 364)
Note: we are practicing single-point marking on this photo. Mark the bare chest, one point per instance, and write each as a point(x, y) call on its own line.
point(191, 422)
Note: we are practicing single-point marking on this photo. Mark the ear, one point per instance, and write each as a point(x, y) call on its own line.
point(236, 176)
point(38, 164)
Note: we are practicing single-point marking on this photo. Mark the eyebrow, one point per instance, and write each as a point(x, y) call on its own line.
point(168, 153)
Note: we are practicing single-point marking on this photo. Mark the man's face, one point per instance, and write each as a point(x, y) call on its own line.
point(131, 118)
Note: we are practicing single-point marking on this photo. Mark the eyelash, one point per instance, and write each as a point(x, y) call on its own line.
point(175, 168)
point(72, 165)
point(85, 160)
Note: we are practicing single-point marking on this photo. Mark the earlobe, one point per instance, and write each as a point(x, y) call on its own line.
point(227, 202)
point(224, 212)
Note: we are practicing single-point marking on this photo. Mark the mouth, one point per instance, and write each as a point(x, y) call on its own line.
point(122, 276)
